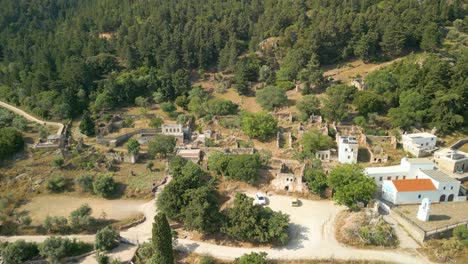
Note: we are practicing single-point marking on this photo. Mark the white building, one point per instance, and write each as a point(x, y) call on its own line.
point(408, 169)
point(432, 184)
point(453, 161)
point(348, 147)
point(419, 144)
point(175, 130)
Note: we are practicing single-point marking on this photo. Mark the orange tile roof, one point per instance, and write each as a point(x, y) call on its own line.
point(414, 185)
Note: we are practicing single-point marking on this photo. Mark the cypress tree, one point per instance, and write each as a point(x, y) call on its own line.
point(87, 124)
point(162, 241)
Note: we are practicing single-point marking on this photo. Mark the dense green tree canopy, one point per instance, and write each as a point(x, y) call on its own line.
point(162, 145)
point(162, 241)
point(314, 141)
point(11, 141)
point(259, 125)
point(350, 185)
point(114, 51)
point(422, 92)
point(245, 221)
point(272, 97)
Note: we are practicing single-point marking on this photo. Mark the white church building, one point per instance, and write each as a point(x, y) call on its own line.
point(432, 184)
point(408, 169)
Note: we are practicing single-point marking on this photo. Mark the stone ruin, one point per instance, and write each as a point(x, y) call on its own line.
point(376, 146)
point(289, 178)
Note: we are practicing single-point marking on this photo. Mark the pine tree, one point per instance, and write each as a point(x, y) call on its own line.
point(162, 240)
point(87, 124)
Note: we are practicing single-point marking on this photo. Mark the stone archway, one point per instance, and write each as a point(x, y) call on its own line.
point(450, 198)
point(442, 198)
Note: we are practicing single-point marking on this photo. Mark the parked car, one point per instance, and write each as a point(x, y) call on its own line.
point(295, 202)
point(260, 199)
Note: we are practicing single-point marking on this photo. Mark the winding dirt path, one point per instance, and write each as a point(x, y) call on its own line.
point(29, 117)
point(312, 229)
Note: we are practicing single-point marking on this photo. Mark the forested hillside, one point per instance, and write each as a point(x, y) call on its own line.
point(60, 57)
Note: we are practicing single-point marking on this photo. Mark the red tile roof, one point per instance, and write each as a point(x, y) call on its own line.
point(414, 185)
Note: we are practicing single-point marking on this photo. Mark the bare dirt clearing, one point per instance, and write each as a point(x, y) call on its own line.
point(348, 71)
point(62, 205)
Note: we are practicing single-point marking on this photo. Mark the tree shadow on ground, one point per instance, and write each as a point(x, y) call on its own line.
point(297, 234)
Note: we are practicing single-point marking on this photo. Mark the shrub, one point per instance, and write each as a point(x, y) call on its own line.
point(58, 162)
point(168, 107)
point(207, 260)
point(128, 122)
point(106, 239)
point(380, 234)
point(57, 183)
point(156, 122)
point(252, 258)
point(104, 185)
point(11, 141)
point(85, 182)
point(56, 224)
point(461, 233)
point(81, 218)
point(102, 259)
point(19, 252)
point(55, 248)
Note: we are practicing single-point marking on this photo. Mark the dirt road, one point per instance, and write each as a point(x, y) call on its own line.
point(29, 117)
point(312, 230)
point(313, 237)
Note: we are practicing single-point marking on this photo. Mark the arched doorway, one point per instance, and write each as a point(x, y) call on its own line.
point(442, 198)
point(450, 198)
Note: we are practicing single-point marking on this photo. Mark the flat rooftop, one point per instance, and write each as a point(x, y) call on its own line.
point(419, 160)
point(386, 169)
point(439, 176)
point(420, 135)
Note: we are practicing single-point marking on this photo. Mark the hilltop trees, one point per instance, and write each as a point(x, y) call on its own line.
point(83, 69)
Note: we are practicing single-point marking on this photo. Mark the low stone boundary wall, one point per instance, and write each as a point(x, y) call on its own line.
point(413, 229)
point(459, 143)
point(132, 224)
point(115, 141)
